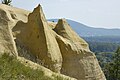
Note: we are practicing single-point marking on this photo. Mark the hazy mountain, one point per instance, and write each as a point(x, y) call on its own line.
point(84, 30)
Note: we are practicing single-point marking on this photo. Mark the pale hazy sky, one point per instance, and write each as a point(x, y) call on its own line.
point(95, 13)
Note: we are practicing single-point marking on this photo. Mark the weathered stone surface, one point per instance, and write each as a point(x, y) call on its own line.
point(52, 24)
point(36, 36)
point(78, 61)
point(7, 44)
point(8, 19)
point(60, 49)
point(13, 14)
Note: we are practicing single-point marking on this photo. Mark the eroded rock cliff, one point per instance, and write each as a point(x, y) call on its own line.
point(78, 61)
point(54, 46)
point(7, 44)
point(38, 38)
point(9, 17)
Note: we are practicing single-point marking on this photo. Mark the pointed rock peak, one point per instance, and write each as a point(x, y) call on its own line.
point(62, 28)
point(37, 13)
point(38, 8)
point(61, 25)
point(62, 21)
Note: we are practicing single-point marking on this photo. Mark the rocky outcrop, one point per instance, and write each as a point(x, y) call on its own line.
point(13, 15)
point(36, 36)
point(8, 19)
point(56, 47)
point(78, 61)
point(7, 44)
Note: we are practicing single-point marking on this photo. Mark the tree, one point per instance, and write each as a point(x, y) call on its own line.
point(112, 69)
point(117, 64)
point(7, 2)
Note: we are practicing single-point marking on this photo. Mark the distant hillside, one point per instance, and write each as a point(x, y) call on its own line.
point(108, 39)
point(84, 30)
point(103, 43)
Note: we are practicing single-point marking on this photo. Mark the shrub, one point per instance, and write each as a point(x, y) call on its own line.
point(7, 2)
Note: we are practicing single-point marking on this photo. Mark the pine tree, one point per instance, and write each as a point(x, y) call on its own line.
point(117, 64)
point(112, 69)
point(7, 2)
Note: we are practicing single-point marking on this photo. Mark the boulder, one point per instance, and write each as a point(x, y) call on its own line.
point(78, 61)
point(37, 37)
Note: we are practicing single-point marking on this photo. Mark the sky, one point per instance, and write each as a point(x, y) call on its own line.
point(94, 13)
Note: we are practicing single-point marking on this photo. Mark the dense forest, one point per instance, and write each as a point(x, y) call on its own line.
point(103, 46)
point(103, 43)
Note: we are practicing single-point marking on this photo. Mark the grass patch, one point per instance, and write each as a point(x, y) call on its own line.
point(12, 69)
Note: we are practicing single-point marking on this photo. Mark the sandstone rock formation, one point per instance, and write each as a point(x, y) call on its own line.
point(9, 16)
point(78, 61)
point(7, 44)
point(13, 14)
point(38, 34)
point(52, 24)
point(55, 46)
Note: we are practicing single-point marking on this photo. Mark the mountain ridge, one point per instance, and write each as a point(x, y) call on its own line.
point(87, 31)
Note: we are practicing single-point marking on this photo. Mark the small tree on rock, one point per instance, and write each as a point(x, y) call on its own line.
point(7, 2)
